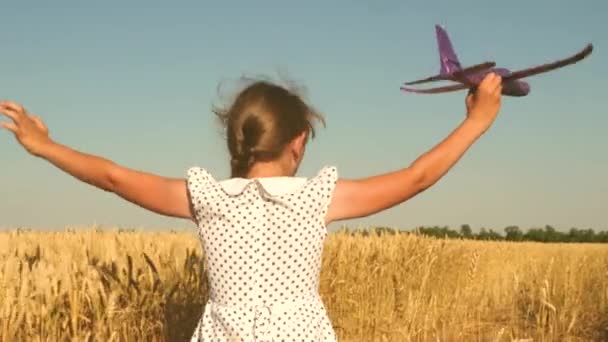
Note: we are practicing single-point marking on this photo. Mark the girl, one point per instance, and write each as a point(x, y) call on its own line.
point(263, 229)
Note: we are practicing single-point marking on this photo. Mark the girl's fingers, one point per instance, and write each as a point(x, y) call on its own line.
point(498, 83)
point(12, 106)
point(10, 126)
point(484, 81)
point(9, 113)
point(491, 83)
point(488, 82)
point(12, 110)
point(498, 88)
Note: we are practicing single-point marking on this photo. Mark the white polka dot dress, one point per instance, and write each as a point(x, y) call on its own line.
point(263, 240)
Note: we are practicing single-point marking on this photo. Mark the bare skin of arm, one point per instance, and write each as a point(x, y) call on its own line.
point(364, 197)
point(165, 196)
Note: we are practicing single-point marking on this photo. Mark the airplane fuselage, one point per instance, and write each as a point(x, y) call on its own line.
point(509, 88)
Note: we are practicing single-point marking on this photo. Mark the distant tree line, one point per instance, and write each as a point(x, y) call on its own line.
point(511, 233)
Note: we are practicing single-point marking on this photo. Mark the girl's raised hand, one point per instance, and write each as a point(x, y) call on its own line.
point(166, 196)
point(484, 103)
point(29, 130)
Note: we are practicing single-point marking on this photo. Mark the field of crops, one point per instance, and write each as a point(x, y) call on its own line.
point(111, 285)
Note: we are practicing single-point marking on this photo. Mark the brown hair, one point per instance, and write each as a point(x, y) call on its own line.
point(261, 120)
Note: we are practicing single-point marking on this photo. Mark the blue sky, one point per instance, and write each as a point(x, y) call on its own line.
point(134, 81)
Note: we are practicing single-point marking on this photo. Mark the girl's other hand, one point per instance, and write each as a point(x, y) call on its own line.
point(484, 103)
point(29, 130)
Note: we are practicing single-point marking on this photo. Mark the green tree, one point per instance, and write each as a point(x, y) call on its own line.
point(466, 231)
point(512, 233)
point(535, 234)
point(551, 235)
point(492, 235)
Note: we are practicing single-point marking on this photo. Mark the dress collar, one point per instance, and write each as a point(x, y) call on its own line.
point(273, 186)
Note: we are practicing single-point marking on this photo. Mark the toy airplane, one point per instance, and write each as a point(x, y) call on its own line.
point(470, 77)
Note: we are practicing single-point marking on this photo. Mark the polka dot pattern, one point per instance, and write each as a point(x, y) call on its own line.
point(264, 254)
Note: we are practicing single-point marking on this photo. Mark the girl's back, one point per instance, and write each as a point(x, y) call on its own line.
point(263, 240)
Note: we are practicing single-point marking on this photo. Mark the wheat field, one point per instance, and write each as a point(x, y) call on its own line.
point(114, 285)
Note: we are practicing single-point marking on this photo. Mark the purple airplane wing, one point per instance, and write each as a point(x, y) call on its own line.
point(550, 66)
point(437, 90)
point(468, 70)
point(428, 79)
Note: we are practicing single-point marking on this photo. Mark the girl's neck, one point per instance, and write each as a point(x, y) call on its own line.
point(269, 169)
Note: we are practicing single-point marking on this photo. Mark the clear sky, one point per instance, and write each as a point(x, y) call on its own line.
point(134, 83)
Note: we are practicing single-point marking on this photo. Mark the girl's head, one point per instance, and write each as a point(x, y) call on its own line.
point(267, 124)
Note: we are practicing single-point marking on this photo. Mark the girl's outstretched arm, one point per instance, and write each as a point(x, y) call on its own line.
point(363, 197)
point(165, 196)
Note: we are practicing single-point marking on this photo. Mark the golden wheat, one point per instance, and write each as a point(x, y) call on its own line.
point(113, 285)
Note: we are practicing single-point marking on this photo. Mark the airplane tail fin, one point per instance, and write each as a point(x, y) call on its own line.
point(447, 56)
